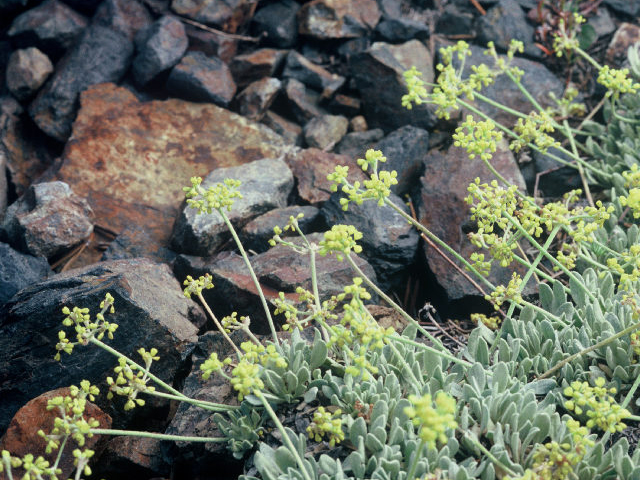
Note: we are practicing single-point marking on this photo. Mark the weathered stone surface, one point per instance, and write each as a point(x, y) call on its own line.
point(455, 21)
point(22, 149)
point(18, 270)
point(249, 67)
point(132, 457)
point(202, 79)
point(311, 166)
point(227, 14)
point(52, 27)
point(277, 23)
point(21, 438)
point(346, 105)
point(266, 184)
point(504, 22)
point(28, 69)
point(397, 30)
point(356, 144)
point(254, 100)
point(378, 75)
point(624, 6)
point(102, 55)
point(291, 132)
point(150, 309)
point(212, 44)
point(405, 150)
point(135, 241)
point(626, 35)
point(389, 242)
point(312, 75)
point(126, 17)
point(442, 209)
point(47, 220)
point(327, 19)
point(325, 131)
point(301, 101)
point(130, 159)
point(602, 22)
point(256, 234)
point(159, 47)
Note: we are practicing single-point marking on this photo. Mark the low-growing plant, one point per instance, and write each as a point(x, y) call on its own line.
point(537, 392)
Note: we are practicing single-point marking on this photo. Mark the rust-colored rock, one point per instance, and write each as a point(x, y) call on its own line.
point(326, 19)
point(22, 437)
point(253, 66)
point(130, 159)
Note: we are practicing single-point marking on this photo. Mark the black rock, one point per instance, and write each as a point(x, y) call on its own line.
point(628, 7)
point(12, 6)
point(150, 309)
point(277, 23)
point(18, 271)
point(398, 30)
point(159, 48)
point(455, 21)
point(555, 179)
point(52, 27)
point(355, 144)
point(87, 7)
point(102, 55)
point(126, 17)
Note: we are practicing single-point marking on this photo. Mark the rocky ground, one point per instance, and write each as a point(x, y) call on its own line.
point(108, 107)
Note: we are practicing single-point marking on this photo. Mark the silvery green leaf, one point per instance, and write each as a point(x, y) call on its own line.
point(358, 430)
point(380, 409)
point(328, 464)
point(477, 377)
point(372, 443)
point(500, 378)
point(541, 387)
point(253, 400)
point(311, 394)
point(274, 382)
point(546, 296)
point(577, 293)
point(482, 354)
point(355, 463)
point(318, 353)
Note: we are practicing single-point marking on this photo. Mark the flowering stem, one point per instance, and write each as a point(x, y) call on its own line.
point(489, 455)
point(157, 436)
point(214, 407)
point(414, 461)
point(283, 432)
point(448, 356)
point(220, 327)
point(574, 149)
point(602, 343)
point(253, 275)
point(316, 293)
point(60, 451)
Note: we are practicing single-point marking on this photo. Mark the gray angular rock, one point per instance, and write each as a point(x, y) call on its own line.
point(52, 27)
point(312, 75)
point(389, 242)
point(290, 131)
point(329, 19)
point(504, 22)
point(221, 13)
point(356, 144)
point(628, 7)
point(303, 103)
point(253, 101)
point(253, 66)
point(202, 79)
point(405, 150)
point(159, 47)
point(27, 71)
point(150, 309)
point(256, 234)
point(102, 55)
point(277, 23)
point(455, 20)
point(378, 75)
point(125, 17)
point(47, 220)
point(135, 241)
point(398, 30)
point(18, 271)
point(266, 184)
point(325, 131)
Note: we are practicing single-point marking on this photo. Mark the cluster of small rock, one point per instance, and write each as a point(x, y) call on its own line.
point(108, 107)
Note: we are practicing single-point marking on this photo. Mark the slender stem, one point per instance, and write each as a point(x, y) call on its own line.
point(157, 436)
point(489, 455)
point(574, 149)
point(218, 325)
point(448, 356)
point(414, 461)
point(405, 366)
point(635, 418)
point(283, 432)
point(253, 276)
point(7, 468)
point(602, 343)
point(113, 351)
point(214, 407)
point(316, 292)
point(544, 312)
point(60, 451)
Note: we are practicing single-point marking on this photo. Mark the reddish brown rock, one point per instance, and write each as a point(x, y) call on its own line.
point(228, 14)
point(130, 159)
point(27, 70)
point(254, 100)
point(211, 44)
point(22, 438)
point(626, 35)
point(253, 66)
point(325, 19)
point(311, 166)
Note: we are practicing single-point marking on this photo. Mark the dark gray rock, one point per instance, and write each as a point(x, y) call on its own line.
point(398, 30)
point(220, 13)
point(555, 178)
point(290, 131)
point(325, 131)
point(277, 24)
point(102, 55)
point(202, 79)
point(256, 234)
point(18, 271)
point(250, 67)
point(330, 19)
point(346, 105)
point(4, 185)
point(133, 242)
point(159, 48)
point(627, 7)
point(355, 144)
point(150, 309)
point(378, 76)
point(455, 21)
point(302, 102)
point(47, 220)
point(211, 44)
point(126, 17)
point(389, 242)
point(312, 75)
point(27, 71)
point(87, 7)
point(254, 100)
point(405, 150)
point(504, 22)
point(12, 6)
point(266, 184)
point(602, 22)
point(51, 27)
